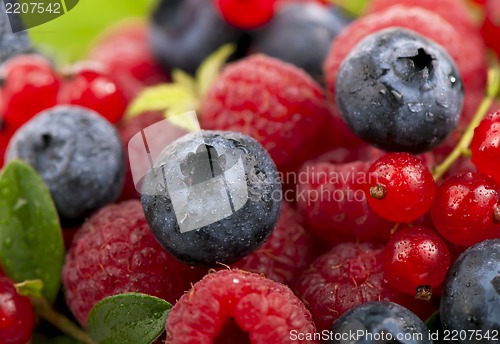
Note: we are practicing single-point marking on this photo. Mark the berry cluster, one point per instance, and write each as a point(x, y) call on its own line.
point(346, 175)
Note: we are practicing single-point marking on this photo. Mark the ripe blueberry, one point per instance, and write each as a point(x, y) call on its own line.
point(471, 294)
point(400, 91)
point(77, 153)
point(212, 197)
point(301, 34)
point(11, 44)
point(386, 322)
point(185, 32)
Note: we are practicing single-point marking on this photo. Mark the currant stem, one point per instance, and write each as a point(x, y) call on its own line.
point(462, 148)
point(45, 310)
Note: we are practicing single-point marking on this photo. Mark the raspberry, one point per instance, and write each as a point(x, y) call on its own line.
point(466, 49)
point(454, 11)
point(348, 275)
point(16, 314)
point(274, 102)
point(490, 30)
point(115, 252)
point(237, 305)
point(285, 252)
point(127, 129)
point(128, 39)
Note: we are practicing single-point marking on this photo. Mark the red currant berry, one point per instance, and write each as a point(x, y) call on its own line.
point(416, 260)
point(16, 315)
point(466, 209)
point(30, 85)
point(246, 14)
point(97, 91)
point(400, 187)
point(485, 146)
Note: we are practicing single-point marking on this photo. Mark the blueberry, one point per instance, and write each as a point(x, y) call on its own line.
point(471, 294)
point(77, 153)
point(400, 91)
point(379, 322)
point(11, 44)
point(212, 197)
point(300, 34)
point(185, 32)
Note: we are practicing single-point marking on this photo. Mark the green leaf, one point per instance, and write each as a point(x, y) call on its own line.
point(433, 323)
point(354, 7)
point(210, 68)
point(128, 318)
point(31, 243)
point(174, 97)
point(69, 36)
point(184, 79)
point(30, 288)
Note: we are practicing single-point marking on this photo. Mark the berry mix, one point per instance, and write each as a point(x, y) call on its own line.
point(340, 182)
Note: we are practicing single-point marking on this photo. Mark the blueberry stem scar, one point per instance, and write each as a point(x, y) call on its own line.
point(492, 90)
point(421, 61)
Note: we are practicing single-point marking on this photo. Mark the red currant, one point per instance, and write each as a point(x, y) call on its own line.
point(466, 209)
point(416, 260)
point(16, 315)
point(485, 146)
point(30, 85)
point(95, 90)
point(400, 187)
point(246, 14)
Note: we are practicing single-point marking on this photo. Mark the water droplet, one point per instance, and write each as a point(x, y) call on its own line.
point(7, 243)
point(397, 95)
point(415, 107)
point(429, 116)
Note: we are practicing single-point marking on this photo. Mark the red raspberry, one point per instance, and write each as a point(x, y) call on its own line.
point(234, 306)
point(6, 132)
point(127, 129)
point(115, 252)
point(331, 198)
point(16, 314)
point(454, 11)
point(285, 253)
point(490, 29)
point(347, 276)
point(139, 68)
point(274, 102)
point(466, 49)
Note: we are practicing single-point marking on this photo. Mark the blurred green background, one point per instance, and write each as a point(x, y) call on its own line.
point(68, 37)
